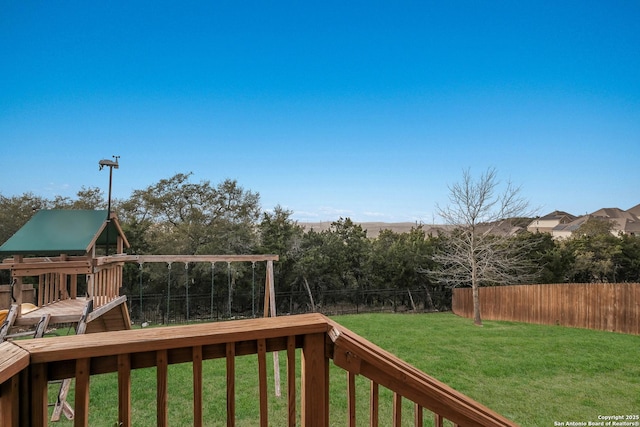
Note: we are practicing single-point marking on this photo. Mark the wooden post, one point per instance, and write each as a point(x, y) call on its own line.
point(40, 301)
point(315, 382)
point(9, 402)
point(17, 293)
point(17, 287)
point(267, 295)
point(83, 377)
point(124, 390)
point(270, 303)
point(90, 285)
point(39, 401)
point(74, 286)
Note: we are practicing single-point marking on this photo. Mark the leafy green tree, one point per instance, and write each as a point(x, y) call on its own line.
point(314, 268)
point(548, 259)
point(191, 218)
point(177, 216)
point(350, 249)
point(627, 267)
point(596, 252)
point(15, 211)
point(281, 235)
point(397, 258)
point(555, 261)
point(334, 260)
point(400, 261)
point(86, 198)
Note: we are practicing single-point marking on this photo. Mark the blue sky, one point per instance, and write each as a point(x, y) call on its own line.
point(360, 109)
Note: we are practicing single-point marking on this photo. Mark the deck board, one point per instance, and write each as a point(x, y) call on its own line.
point(65, 311)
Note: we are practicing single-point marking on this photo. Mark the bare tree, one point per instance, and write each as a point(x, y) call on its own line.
point(481, 249)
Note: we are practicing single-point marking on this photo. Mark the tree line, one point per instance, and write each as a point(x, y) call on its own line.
point(179, 216)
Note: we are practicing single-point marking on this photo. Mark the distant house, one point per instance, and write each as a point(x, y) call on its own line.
point(562, 231)
point(547, 223)
point(635, 210)
point(624, 222)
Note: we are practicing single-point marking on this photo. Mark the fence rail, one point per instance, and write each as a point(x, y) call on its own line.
point(611, 307)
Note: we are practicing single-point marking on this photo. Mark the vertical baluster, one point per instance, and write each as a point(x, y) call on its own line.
point(231, 385)
point(418, 418)
point(262, 380)
point(291, 379)
point(74, 286)
point(397, 410)
point(106, 276)
point(56, 287)
point(351, 399)
point(374, 400)
point(162, 401)
point(41, 287)
point(49, 286)
point(104, 284)
point(91, 285)
point(197, 385)
point(83, 375)
point(96, 299)
point(437, 420)
point(115, 290)
point(124, 390)
point(64, 280)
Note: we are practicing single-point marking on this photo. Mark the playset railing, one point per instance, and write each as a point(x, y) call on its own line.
point(58, 278)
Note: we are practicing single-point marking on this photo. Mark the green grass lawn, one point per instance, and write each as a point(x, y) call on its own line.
point(535, 375)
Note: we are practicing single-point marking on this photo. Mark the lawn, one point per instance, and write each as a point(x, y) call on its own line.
point(535, 375)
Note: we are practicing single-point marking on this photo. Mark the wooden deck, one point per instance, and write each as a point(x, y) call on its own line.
point(24, 390)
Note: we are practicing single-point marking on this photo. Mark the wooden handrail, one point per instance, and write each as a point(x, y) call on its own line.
point(27, 366)
point(361, 357)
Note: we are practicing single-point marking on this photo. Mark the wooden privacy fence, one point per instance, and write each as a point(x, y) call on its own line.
point(611, 307)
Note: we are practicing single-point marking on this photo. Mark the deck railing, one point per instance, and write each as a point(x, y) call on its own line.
point(27, 366)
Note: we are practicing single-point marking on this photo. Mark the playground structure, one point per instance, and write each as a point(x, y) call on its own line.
point(58, 250)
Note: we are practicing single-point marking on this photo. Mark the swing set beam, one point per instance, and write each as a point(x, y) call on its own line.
point(183, 258)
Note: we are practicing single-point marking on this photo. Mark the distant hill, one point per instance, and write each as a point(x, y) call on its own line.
point(374, 228)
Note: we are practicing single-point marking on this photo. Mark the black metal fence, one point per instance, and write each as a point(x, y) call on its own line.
point(168, 309)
